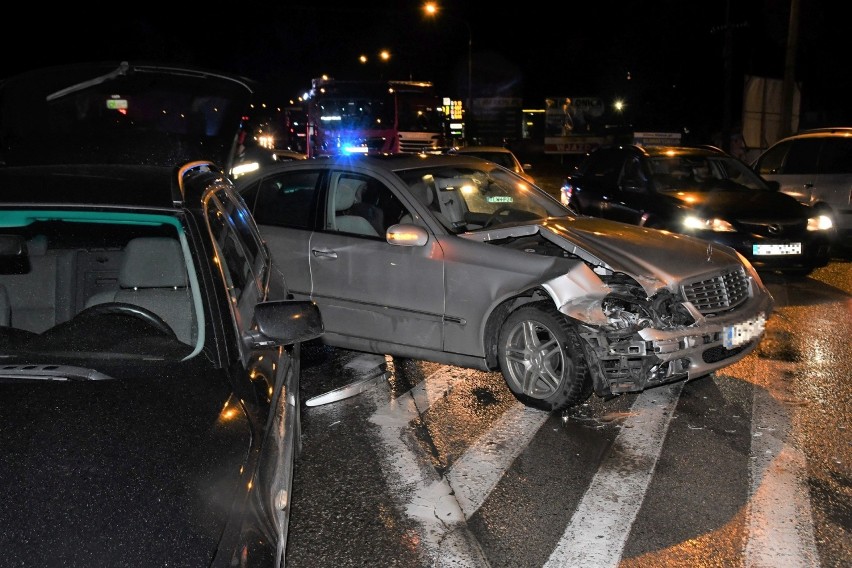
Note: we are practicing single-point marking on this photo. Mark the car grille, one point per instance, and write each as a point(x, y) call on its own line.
point(719, 292)
point(776, 229)
point(415, 146)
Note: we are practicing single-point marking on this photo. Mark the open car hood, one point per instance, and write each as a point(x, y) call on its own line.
point(121, 113)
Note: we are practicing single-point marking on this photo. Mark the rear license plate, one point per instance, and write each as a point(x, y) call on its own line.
point(779, 249)
point(740, 333)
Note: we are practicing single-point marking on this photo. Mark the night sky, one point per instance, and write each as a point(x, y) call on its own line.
point(665, 58)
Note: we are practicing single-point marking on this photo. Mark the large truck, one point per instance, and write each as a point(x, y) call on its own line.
point(373, 117)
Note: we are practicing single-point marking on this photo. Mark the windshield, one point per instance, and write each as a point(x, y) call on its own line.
point(85, 285)
point(702, 173)
point(472, 198)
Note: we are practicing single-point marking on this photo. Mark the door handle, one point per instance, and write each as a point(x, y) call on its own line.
point(327, 253)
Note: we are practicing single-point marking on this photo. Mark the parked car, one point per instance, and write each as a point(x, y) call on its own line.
point(815, 167)
point(473, 266)
point(149, 348)
point(704, 192)
point(498, 155)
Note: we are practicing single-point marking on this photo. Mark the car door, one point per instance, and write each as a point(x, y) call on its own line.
point(265, 379)
point(597, 182)
point(631, 197)
point(366, 288)
point(793, 166)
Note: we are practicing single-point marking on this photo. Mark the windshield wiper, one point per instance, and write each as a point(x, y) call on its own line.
point(122, 70)
point(51, 373)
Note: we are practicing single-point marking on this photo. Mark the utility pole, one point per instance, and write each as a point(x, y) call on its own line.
point(789, 87)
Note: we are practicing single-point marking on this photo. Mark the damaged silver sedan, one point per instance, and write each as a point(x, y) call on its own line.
point(459, 261)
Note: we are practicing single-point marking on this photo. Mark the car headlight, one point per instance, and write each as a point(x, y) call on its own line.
point(693, 222)
point(820, 223)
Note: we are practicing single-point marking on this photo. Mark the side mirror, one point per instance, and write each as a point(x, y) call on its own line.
point(407, 235)
point(283, 322)
point(774, 185)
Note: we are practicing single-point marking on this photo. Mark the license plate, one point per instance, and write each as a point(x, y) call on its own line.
point(741, 333)
point(778, 249)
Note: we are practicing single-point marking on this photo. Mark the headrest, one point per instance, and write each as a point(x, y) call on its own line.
point(347, 193)
point(37, 245)
point(422, 192)
point(152, 262)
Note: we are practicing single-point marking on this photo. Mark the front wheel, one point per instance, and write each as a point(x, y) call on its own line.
point(542, 359)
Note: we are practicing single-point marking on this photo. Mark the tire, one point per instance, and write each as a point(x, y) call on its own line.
point(541, 357)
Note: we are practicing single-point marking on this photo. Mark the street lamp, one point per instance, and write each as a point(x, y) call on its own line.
point(431, 9)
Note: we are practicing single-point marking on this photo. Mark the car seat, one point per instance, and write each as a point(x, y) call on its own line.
point(345, 196)
point(152, 275)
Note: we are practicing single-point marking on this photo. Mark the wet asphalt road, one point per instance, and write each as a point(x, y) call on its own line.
point(434, 465)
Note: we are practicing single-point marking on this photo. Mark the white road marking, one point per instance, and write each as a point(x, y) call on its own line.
point(478, 470)
point(779, 515)
point(443, 531)
point(600, 525)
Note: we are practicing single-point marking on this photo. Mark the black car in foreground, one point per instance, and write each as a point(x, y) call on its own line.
point(149, 348)
point(704, 192)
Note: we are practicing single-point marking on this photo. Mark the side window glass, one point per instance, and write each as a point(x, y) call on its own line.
point(287, 200)
point(771, 162)
point(633, 174)
point(836, 157)
point(605, 166)
point(802, 158)
point(234, 261)
point(360, 205)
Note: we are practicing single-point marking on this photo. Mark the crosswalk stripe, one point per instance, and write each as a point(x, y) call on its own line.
point(599, 527)
point(443, 531)
point(478, 470)
point(780, 522)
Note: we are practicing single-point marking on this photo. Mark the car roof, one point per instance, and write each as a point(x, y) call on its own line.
point(828, 132)
point(654, 151)
point(463, 149)
point(121, 113)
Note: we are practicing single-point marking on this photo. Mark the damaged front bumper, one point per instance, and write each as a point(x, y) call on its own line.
point(649, 357)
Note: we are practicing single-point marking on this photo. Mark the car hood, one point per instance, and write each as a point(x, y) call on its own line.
point(132, 470)
point(655, 258)
point(121, 113)
point(740, 204)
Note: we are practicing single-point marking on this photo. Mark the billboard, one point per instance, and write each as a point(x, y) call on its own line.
point(573, 125)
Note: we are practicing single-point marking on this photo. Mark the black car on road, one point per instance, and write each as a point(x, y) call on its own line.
point(149, 348)
point(704, 192)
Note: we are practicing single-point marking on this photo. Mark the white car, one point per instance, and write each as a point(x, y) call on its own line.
point(815, 167)
point(499, 155)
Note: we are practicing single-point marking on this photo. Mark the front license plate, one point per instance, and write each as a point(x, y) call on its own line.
point(738, 334)
point(779, 249)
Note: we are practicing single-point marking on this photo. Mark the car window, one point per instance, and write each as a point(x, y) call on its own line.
point(360, 205)
point(836, 157)
point(285, 200)
point(773, 159)
point(802, 158)
point(466, 199)
point(603, 165)
point(241, 266)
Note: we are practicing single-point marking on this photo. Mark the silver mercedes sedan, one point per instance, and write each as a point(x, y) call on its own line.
point(459, 261)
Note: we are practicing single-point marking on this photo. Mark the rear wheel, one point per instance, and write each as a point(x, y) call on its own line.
point(542, 359)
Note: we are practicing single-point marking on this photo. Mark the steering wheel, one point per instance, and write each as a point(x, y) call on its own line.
point(124, 309)
point(493, 216)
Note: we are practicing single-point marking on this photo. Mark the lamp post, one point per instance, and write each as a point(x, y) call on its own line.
point(432, 9)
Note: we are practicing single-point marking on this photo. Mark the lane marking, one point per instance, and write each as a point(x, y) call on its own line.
point(780, 524)
point(443, 531)
point(600, 525)
point(475, 474)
